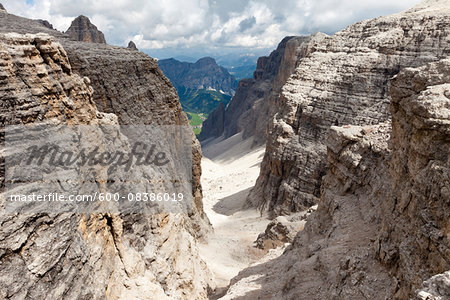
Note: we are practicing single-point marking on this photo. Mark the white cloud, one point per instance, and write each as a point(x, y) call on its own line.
point(157, 24)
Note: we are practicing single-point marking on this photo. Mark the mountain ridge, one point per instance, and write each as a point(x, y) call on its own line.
point(205, 73)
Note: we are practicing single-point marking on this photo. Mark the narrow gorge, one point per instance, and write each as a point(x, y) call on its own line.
point(326, 176)
point(376, 234)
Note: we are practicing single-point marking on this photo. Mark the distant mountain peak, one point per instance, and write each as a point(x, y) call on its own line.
point(203, 74)
point(83, 30)
point(204, 61)
point(201, 86)
point(132, 45)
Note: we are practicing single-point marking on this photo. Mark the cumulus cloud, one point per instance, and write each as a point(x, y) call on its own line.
point(156, 24)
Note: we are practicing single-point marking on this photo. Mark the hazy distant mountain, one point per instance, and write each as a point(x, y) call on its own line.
point(203, 74)
point(240, 66)
point(202, 101)
point(233, 60)
point(185, 58)
point(202, 85)
point(241, 63)
point(242, 72)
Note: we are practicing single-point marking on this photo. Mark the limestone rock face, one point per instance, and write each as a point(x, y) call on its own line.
point(253, 104)
point(94, 256)
point(131, 86)
point(435, 288)
point(415, 240)
point(343, 79)
point(83, 30)
point(118, 77)
point(47, 82)
point(254, 122)
point(121, 86)
point(381, 227)
point(332, 257)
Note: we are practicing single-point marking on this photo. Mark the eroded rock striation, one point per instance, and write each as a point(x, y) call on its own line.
point(104, 255)
point(381, 227)
point(83, 30)
point(122, 87)
point(415, 241)
point(343, 79)
point(51, 76)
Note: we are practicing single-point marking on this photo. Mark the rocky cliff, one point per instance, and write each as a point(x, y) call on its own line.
point(343, 79)
point(83, 30)
point(104, 255)
point(254, 122)
point(121, 78)
point(414, 242)
point(381, 227)
point(254, 101)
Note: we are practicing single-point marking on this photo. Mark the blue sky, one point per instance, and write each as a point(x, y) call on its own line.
point(208, 26)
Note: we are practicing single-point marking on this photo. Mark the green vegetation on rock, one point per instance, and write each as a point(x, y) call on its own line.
point(196, 121)
point(201, 101)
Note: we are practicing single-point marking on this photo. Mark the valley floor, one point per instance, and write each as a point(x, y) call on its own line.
point(227, 178)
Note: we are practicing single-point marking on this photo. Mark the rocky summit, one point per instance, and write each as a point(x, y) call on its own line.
point(83, 30)
point(46, 24)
